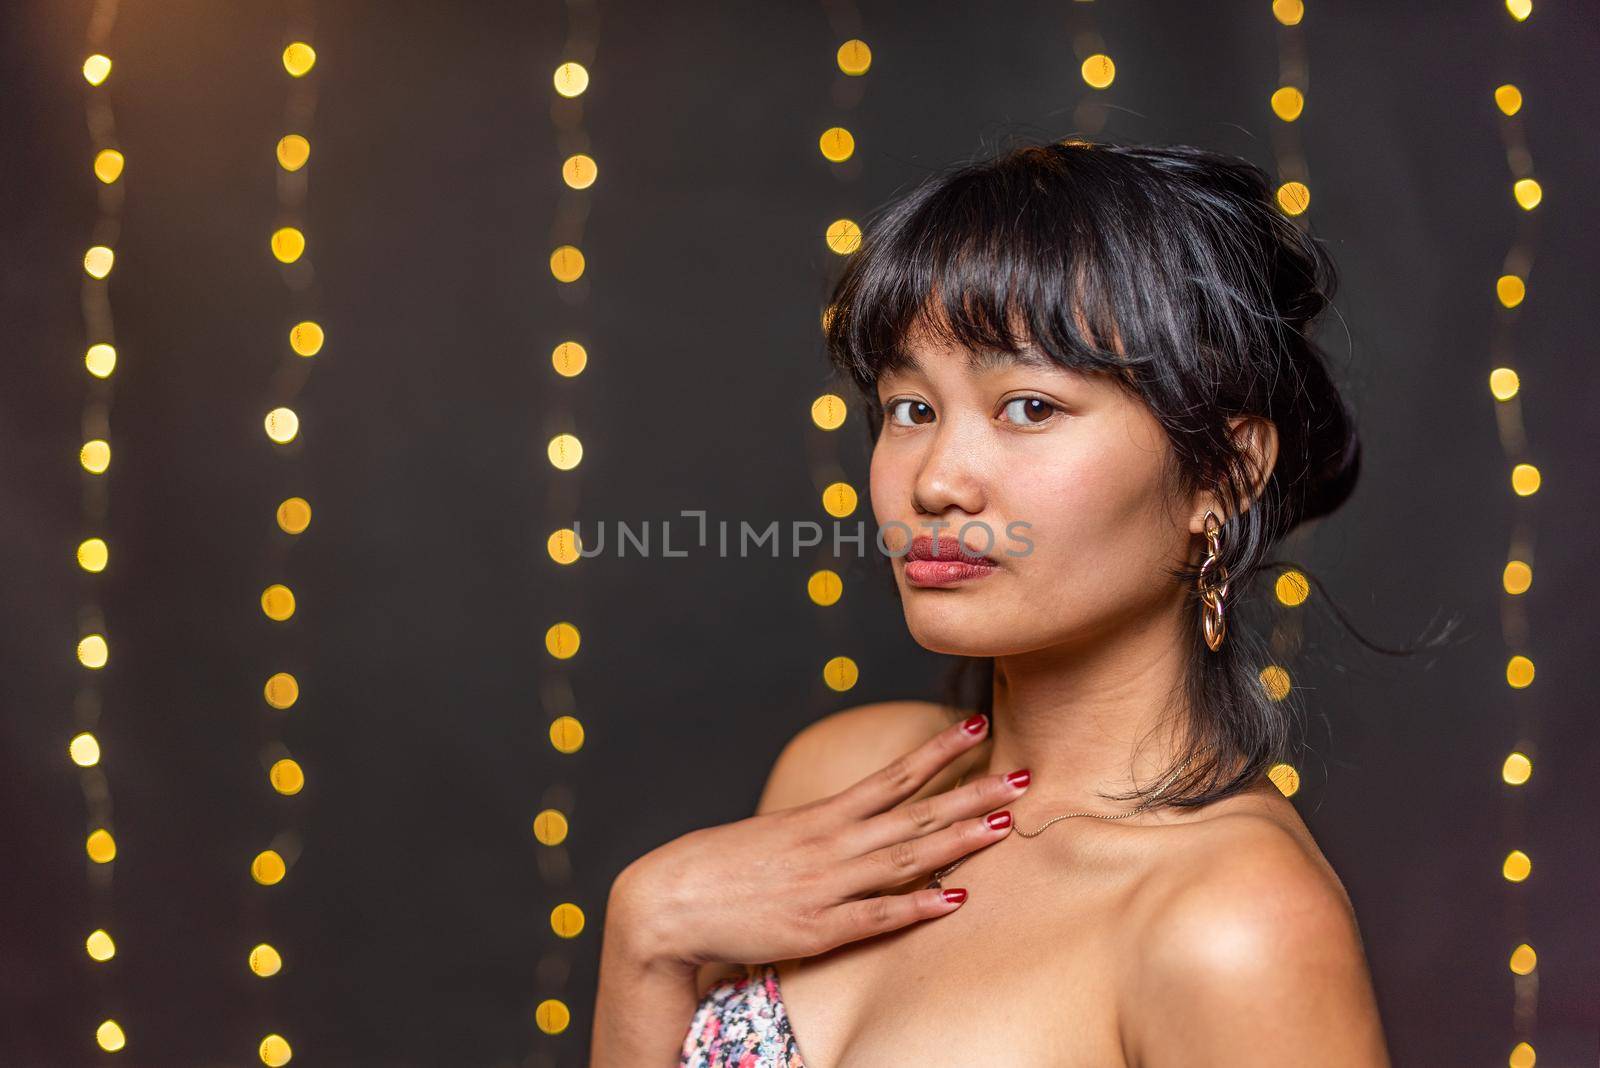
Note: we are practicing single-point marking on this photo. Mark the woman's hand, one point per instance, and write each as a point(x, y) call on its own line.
point(802, 880)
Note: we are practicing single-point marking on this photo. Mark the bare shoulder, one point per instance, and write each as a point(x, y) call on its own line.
point(1251, 953)
point(838, 751)
point(844, 747)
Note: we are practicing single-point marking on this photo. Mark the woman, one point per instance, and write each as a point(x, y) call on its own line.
point(1095, 406)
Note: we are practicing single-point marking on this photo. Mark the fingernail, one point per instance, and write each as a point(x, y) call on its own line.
point(955, 895)
point(1020, 777)
point(974, 725)
point(998, 820)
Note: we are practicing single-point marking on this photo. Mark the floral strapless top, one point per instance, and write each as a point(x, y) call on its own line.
point(741, 1023)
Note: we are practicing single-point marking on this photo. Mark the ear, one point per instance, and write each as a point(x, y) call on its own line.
point(1257, 438)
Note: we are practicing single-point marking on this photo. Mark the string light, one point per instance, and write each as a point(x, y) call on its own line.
point(299, 336)
point(1514, 293)
point(1286, 107)
point(575, 184)
point(92, 552)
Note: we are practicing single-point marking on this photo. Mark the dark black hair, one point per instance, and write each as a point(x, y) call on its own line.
point(1172, 269)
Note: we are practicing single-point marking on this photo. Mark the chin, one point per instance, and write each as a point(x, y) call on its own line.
point(941, 625)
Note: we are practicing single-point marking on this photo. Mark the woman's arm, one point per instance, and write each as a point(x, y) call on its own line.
point(645, 999)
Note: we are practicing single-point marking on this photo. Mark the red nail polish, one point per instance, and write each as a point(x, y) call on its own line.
point(998, 820)
point(954, 895)
point(1020, 777)
point(974, 725)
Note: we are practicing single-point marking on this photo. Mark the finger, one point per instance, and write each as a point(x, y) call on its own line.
point(910, 771)
point(914, 819)
point(855, 920)
point(901, 861)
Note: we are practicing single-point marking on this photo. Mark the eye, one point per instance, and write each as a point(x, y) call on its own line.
point(916, 412)
point(1029, 411)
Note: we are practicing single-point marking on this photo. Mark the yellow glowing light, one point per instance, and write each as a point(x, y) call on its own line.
point(1288, 12)
point(840, 673)
point(293, 152)
point(825, 587)
point(1520, 10)
point(275, 1051)
point(294, 515)
point(282, 425)
point(95, 456)
point(286, 777)
point(268, 868)
point(837, 144)
point(566, 263)
point(1503, 383)
point(277, 601)
point(563, 546)
point(1291, 588)
point(265, 961)
point(1517, 577)
point(1508, 98)
point(1517, 769)
point(550, 827)
point(101, 360)
point(1288, 103)
point(93, 651)
point(96, 69)
point(1525, 479)
point(100, 945)
point(854, 57)
point(1522, 1055)
point(1294, 198)
point(288, 244)
point(108, 163)
point(843, 236)
point(1527, 193)
point(569, 359)
point(1524, 959)
point(306, 338)
point(282, 690)
point(552, 1016)
point(562, 640)
point(579, 171)
point(1517, 867)
point(1098, 71)
point(828, 411)
point(1510, 289)
point(1286, 778)
point(571, 79)
point(1275, 681)
point(1519, 672)
point(98, 260)
point(827, 318)
point(110, 1037)
point(102, 848)
point(298, 59)
point(566, 920)
point(84, 750)
point(565, 452)
point(839, 499)
point(93, 554)
point(566, 734)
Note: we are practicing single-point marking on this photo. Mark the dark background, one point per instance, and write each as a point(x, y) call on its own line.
point(415, 924)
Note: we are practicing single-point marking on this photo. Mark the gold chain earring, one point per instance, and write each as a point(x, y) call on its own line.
point(1213, 620)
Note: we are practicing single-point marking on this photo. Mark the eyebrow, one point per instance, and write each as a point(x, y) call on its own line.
point(982, 361)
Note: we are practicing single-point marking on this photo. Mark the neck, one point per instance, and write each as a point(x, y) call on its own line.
point(1088, 719)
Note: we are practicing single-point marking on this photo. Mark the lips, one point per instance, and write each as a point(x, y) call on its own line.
point(950, 549)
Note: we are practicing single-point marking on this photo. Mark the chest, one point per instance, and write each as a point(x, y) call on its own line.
point(1024, 973)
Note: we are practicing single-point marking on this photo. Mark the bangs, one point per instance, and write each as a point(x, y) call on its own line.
point(995, 258)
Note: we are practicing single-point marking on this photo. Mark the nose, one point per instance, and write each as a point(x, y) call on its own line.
point(951, 473)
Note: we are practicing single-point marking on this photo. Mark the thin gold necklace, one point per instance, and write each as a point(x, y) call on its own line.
point(934, 883)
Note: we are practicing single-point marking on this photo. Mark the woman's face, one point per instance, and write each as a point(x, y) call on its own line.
point(1026, 453)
